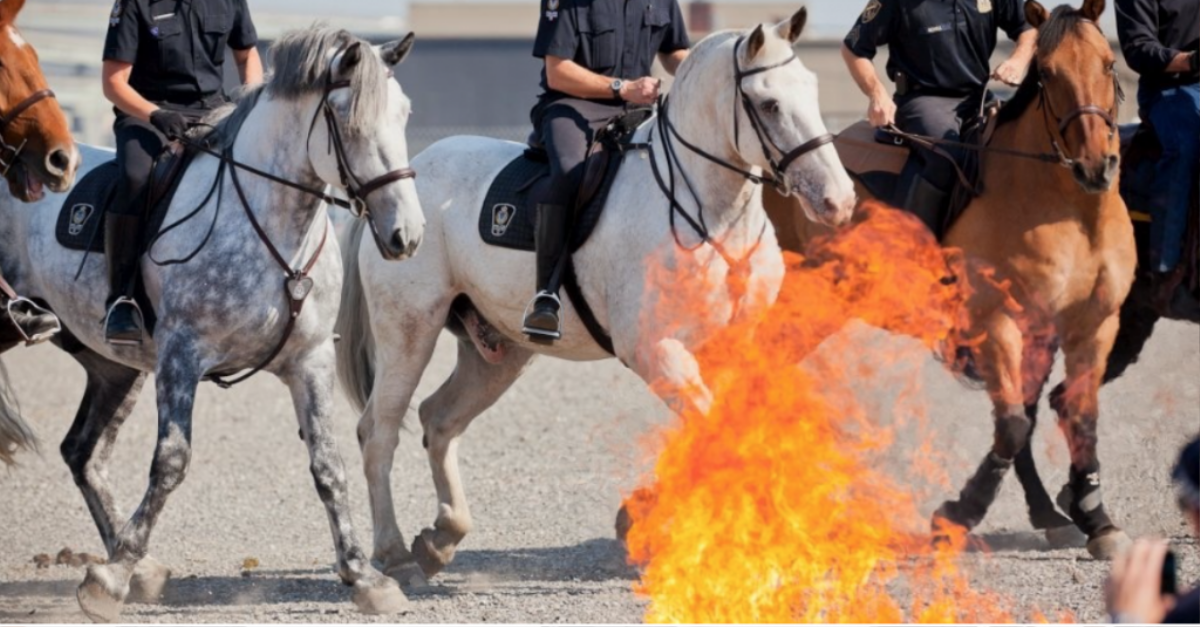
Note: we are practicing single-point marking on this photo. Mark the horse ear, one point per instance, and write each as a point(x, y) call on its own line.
point(1092, 9)
point(791, 29)
point(393, 53)
point(1036, 14)
point(350, 59)
point(754, 43)
point(9, 10)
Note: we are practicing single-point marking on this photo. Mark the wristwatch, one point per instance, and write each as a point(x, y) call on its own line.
point(616, 86)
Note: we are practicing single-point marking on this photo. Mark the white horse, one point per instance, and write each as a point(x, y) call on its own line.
point(733, 85)
point(330, 115)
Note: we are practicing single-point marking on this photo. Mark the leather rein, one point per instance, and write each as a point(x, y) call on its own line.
point(9, 153)
point(298, 284)
point(667, 132)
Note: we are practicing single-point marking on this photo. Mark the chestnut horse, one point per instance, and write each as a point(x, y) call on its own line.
point(1059, 248)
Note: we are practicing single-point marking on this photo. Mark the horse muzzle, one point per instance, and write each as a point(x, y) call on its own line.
point(1096, 176)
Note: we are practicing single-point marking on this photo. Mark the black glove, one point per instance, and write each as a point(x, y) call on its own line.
point(170, 123)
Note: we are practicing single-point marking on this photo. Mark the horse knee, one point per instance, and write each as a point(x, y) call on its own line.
point(1012, 432)
point(170, 465)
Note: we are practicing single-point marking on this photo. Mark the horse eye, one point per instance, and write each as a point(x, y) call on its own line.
point(770, 106)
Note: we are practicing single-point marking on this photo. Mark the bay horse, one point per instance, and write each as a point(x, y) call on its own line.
point(36, 152)
point(248, 291)
point(1060, 243)
point(747, 84)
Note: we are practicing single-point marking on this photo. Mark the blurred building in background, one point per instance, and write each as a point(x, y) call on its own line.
point(471, 71)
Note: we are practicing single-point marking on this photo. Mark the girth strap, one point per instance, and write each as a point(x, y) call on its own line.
point(570, 283)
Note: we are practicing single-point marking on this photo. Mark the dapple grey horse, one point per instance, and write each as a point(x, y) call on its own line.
point(741, 98)
point(330, 116)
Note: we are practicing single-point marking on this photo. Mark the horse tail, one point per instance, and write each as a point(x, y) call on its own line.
point(15, 434)
point(356, 350)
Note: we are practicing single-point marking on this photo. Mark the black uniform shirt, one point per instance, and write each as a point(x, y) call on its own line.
point(617, 38)
point(177, 47)
point(1153, 32)
point(941, 45)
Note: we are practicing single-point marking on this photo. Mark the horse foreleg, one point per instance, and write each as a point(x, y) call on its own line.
point(311, 384)
point(1001, 357)
point(473, 387)
point(1086, 360)
point(103, 592)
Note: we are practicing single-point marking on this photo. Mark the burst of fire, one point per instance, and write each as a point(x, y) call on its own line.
point(770, 507)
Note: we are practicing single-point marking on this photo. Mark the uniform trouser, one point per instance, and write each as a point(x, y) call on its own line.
point(566, 127)
point(932, 116)
point(1175, 114)
point(138, 143)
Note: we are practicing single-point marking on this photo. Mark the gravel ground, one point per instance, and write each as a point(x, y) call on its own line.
point(545, 469)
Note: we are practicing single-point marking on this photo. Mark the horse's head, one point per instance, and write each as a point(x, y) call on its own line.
point(1079, 90)
point(362, 148)
point(779, 124)
point(36, 148)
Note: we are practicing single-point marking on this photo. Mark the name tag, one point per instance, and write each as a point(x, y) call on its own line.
point(165, 16)
point(940, 28)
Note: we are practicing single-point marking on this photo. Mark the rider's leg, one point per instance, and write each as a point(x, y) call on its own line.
point(137, 145)
point(929, 192)
point(566, 134)
point(1175, 114)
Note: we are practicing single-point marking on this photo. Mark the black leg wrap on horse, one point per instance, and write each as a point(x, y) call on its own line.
point(1012, 434)
point(1081, 498)
point(977, 496)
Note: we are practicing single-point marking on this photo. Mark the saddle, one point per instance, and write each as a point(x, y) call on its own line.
point(508, 213)
point(876, 158)
point(81, 220)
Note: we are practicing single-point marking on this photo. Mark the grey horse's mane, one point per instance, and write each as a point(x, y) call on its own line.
point(300, 64)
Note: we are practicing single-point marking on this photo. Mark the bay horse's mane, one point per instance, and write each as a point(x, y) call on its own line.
point(1063, 21)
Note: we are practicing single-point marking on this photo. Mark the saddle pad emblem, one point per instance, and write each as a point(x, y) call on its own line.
point(502, 215)
point(80, 214)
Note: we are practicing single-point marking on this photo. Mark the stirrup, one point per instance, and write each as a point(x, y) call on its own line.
point(542, 334)
point(137, 310)
point(24, 305)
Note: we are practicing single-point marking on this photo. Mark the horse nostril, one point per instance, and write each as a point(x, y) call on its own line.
point(398, 241)
point(58, 161)
point(1079, 171)
point(832, 206)
point(1113, 161)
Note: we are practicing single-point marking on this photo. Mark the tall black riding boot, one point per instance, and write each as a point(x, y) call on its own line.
point(122, 234)
point(541, 317)
point(926, 201)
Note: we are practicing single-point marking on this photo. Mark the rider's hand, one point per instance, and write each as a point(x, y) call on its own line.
point(643, 91)
point(1134, 590)
point(1010, 73)
point(169, 123)
point(882, 111)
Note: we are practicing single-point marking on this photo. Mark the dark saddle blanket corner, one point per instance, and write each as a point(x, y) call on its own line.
point(508, 214)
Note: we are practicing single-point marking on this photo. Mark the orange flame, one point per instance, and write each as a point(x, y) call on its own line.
point(769, 507)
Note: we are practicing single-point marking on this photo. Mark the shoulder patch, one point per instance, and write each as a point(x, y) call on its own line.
point(872, 11)
point(985, 6)
point(114, 18)
point(552, 10)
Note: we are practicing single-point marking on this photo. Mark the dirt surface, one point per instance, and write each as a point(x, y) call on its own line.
point(545, 470)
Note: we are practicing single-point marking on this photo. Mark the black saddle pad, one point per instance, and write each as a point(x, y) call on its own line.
point(507, 216)
point(81, 221)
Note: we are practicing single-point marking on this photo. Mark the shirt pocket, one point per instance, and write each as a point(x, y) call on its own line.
point(658, 16)
point(599, 29)
point(166, 30)
point(215, 25)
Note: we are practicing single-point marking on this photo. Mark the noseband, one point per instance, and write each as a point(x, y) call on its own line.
point(1109, 116)
point(769, 147)
point(8, 152)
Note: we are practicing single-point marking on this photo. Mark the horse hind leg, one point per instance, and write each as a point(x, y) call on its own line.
point(473, 387)
point(1078, 412)
point(111, 393)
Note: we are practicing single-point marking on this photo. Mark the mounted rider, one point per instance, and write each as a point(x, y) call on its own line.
point(939, 59)
point(598, 55)
point(1160, 39)
point(163, 71)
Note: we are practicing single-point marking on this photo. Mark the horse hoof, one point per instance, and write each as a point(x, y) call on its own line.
point(379, 598)
point(96, 597)
point(1109, 545)
point(149, 579)
point(1065, 537)
point(624, 524)
point(947, 532)
point(428, 557)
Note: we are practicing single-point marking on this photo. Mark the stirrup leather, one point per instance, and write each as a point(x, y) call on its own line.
point(137, 310)
point(21, 304)
point(542, 333)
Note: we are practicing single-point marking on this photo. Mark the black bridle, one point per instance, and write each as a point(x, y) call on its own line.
point(667, 132)
point(9, 153)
